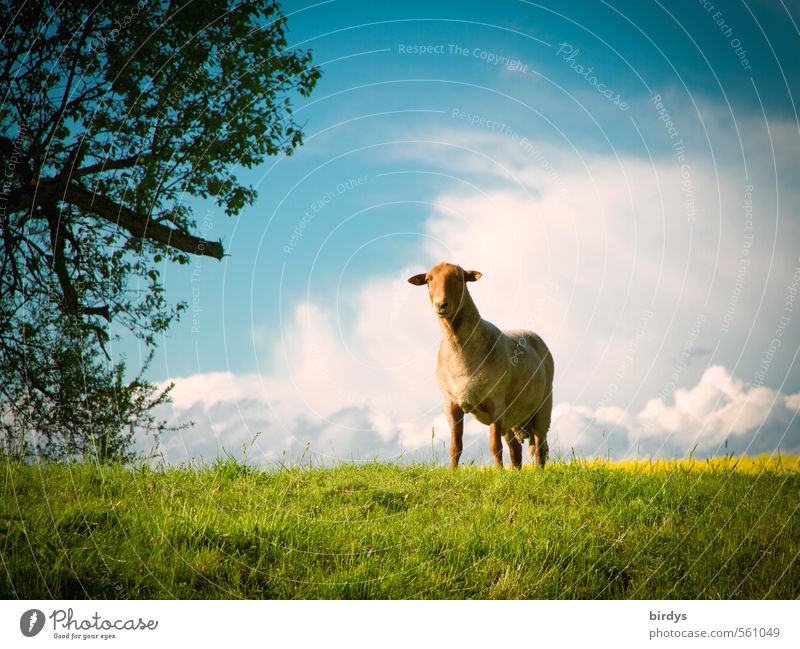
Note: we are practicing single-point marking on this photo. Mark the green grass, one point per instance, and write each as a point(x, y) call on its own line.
point(385, 531)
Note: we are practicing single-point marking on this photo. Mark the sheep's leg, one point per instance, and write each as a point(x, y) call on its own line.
point(495, 441)
point(515, 448)
point(455, 417)
point(540, 449)
point(541, 424)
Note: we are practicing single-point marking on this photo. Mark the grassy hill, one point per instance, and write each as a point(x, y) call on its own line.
point(723, 529)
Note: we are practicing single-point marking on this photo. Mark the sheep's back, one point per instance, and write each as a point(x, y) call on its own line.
point(533, 341)
point(531, 372)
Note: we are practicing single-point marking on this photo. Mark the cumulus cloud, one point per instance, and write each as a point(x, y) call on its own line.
point(719, 414)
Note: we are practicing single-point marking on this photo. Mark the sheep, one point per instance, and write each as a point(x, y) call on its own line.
point(503, 378)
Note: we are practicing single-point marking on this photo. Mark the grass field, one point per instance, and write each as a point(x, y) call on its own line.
point(691, 529)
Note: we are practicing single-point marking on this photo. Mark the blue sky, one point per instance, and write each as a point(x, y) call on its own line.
point(649, 233)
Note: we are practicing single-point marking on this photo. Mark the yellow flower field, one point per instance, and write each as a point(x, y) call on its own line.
point(775, 464)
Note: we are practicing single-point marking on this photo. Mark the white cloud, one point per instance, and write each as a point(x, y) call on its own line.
point(719, 409)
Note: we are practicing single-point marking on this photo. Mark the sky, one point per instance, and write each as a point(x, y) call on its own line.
point(623, 174)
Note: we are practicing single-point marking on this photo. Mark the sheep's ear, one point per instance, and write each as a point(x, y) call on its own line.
point(418, 280)
point(472, 275)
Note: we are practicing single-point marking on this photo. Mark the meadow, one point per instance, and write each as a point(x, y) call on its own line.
point(692, 529)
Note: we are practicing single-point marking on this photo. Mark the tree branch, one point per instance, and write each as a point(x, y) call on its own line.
point(10, 251)
point(109, 210)
point(71, 304)
point(107, 165)
point(140, 226)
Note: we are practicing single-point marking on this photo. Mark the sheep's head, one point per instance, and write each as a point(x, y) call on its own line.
point(447, 287)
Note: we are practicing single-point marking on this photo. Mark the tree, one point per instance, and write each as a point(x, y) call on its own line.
point(114, 116)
